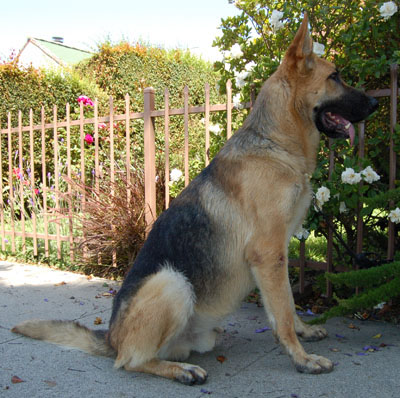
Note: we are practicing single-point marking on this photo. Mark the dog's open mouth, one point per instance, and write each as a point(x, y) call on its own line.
point(338, 125)
point(335, 125)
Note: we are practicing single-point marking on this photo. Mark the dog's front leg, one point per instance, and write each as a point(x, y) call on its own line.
point(269, 267)
point(308, 332)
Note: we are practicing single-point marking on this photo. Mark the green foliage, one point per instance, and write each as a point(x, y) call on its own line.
point(381, 283)
point(28, 88)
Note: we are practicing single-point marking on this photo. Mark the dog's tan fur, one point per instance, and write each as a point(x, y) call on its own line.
point(242, 211)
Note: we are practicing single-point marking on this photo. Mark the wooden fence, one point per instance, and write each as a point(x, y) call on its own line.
point(13, 223)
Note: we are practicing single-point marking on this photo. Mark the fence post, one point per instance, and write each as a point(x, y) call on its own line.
point(329, 255)
point(149, 159)
point(392, 167)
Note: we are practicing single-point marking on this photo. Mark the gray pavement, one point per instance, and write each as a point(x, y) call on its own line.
point(250, 364)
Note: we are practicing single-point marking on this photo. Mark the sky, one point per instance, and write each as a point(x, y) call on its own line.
point(171, 24)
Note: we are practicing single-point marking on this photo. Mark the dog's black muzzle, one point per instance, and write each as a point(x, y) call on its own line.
point(335, 117)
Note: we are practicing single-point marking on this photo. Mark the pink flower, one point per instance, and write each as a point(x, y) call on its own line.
point(85, 100)
point(37, 191)
point(18, 173)
point(89, 139)
point(102, 126)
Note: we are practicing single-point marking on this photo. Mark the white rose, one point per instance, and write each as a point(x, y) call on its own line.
point(323, 194)
point(369, 175)
point(240, 79)
point(349, 176)
point(236, 51)
point(342, 207)
point(236, 101)
point(388, 9)
point(318, 49)
point(302, 233)
point(394, 215)
point(275, 22)
point(250, 66)
point(175, 175)
point(215, 128)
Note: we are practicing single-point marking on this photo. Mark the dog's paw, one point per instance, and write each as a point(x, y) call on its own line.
point(314, 364)
point(191, 374)
point(313, 333)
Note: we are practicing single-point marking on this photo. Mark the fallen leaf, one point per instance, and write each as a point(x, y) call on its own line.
point(60, 283)
point(16, 379)
point(371, 348)
point(89, 277)
point(352, 326)
point(334, 349)
point(107, 294)
point(377, 336)
point(98, 321)
point(221, 358)
point(262, 330)
point(316, 309)
point(50, 383)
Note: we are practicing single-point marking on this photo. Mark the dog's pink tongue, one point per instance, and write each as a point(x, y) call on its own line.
point(348, 127)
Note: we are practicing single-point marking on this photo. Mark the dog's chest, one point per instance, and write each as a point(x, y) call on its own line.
point(301, 199)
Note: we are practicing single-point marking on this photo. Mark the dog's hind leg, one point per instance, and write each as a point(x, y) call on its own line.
point(154, 319)
point(179, 371)
point(269, 265)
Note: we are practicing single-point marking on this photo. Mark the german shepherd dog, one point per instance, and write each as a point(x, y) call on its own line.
point(228, 232)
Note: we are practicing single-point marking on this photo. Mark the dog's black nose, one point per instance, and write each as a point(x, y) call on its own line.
point(373, 103)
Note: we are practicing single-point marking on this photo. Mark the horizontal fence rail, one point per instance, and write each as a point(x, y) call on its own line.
point(32, 150)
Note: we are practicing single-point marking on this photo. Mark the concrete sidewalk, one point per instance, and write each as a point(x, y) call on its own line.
point(250, 363)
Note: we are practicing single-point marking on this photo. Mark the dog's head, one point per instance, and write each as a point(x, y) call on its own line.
point(330, 103)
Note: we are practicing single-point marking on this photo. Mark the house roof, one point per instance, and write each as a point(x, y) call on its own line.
point(59, 52)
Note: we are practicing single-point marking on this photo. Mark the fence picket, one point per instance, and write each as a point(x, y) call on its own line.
point(21, 181)
point(3, 235)
point(96, 145)
point(186, 129)
point(228, 109)
point(207, 122)
point(149, 159)
point(10, 182)
point(44, 185)
point(394, 92)
point(33, 191)
point(127, 147)
point(166, 138)
point(57, 181)
point(69, 174)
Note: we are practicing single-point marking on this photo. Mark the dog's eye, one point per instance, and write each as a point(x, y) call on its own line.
point(335, 76)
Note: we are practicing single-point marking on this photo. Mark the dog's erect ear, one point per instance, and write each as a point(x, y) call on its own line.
point(300, 52)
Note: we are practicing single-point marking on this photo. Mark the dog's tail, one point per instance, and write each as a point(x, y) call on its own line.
point(67, 333)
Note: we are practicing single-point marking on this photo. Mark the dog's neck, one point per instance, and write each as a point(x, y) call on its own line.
point(275, 116)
